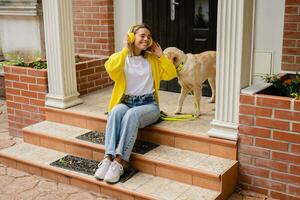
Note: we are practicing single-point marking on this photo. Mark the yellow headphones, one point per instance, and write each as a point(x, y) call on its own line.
point(131, 36)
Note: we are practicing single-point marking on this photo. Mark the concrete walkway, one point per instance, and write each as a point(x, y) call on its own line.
point(17, 185)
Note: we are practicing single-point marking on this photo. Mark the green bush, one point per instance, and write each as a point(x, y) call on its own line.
point(289, 87)
point(38, 63)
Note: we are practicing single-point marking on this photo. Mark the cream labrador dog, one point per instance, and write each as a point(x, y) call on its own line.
point(193, 70)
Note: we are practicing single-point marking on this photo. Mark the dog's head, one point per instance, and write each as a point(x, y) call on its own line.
point(175, 55)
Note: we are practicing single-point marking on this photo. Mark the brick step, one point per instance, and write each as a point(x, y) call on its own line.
point(35, 159)
point(154, 133)
point(181, 165)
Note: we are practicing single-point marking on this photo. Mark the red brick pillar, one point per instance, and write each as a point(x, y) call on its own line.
point(91, 76)
point(291, 36)
point(25, 96)
point(93, 27)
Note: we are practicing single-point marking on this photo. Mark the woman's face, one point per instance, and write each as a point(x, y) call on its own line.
point(142, 38)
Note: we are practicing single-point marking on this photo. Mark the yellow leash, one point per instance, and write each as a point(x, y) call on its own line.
point(181, 117)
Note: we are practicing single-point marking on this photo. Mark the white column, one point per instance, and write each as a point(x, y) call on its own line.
point(233, 37)
point(58, 23)
point(133, 12)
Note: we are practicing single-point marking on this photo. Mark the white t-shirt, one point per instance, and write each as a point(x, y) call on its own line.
point(139, 80)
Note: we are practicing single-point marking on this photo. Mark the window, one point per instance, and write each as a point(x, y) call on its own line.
point(201, 13)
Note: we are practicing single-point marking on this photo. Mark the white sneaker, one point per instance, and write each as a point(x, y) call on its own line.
point(103, 167)
point(114, 172)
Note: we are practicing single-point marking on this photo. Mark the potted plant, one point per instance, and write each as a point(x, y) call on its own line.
point(287, 85)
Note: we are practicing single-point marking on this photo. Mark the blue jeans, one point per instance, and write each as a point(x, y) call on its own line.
point(125, 119)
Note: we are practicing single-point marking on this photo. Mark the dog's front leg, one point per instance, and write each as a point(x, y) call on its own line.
point(197, 99)
point(181, 99)
point(212, 83)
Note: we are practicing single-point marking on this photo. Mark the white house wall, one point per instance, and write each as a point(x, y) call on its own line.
point(20, 34)
point(127, 13)
point(268, 36)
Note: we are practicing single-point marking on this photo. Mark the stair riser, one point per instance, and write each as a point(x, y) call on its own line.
point(210, 146)
point(66, 177)
point(188, 143)
point(229, 182)
point(156, 168)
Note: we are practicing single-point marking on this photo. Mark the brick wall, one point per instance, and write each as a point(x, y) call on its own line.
point(2, 87)
point(291, 37)
point(26, 89)
point(25, 97)
point(91, 76)
point(269, 145)
point(93, 27)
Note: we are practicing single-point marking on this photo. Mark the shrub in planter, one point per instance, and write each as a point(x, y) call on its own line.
point(287, 85)
point(38, 63)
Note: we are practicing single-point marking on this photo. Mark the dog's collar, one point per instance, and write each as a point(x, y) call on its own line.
point(179, 67)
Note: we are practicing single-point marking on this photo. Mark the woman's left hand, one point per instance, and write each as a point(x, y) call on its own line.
point(156, 49)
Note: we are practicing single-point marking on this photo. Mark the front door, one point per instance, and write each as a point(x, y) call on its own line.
point(189, 25)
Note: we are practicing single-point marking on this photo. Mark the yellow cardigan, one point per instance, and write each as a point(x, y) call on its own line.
point(162, 69)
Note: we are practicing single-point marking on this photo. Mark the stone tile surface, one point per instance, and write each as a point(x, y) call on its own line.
point(21, 184)
point(28, 194)
point(137, 181)
point(241, 194)
point(15, 185)
point(194, 193)
point(18, 185)
point(81, 196)
point(25, 150)
point(163, 153)
point(57, 129)
point(3, 116)
point(214, 164)
point(46, 186)
point(190, 159)
point(15, 173)
point(162, 188)
point(2, 170)
point(5, 139)
point(6, 143)
point(96, 104)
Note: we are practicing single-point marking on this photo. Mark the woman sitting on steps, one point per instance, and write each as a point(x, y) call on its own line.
point(137, 71)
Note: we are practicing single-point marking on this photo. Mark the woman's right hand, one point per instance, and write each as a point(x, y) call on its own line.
point(126, 41)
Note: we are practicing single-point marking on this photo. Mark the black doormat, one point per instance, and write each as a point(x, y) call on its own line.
point(93, 136)
point(140, 146)
point(86, 166)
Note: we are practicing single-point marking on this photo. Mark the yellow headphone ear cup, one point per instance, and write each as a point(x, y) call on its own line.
point(131, 37)
point(150, 42)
